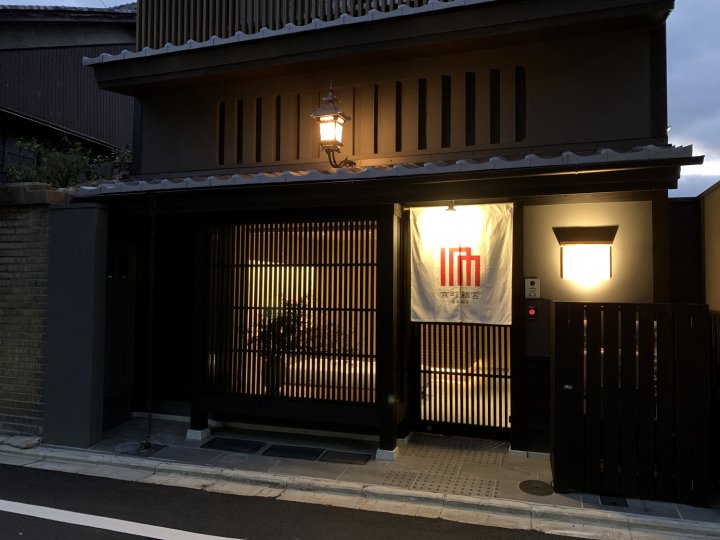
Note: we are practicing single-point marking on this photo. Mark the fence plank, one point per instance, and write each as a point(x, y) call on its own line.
point(684, 391)
point(575, 368)
point(611, 409)
point(702, 406)
point(628, 399)
point(593, 393)
point(559, 403)
point(666, 455)
point(647, 411)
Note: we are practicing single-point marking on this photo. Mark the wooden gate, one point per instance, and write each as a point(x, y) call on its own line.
point(631, 400)
point(464, 378)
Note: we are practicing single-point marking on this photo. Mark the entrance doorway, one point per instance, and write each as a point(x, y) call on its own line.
point(464, 378)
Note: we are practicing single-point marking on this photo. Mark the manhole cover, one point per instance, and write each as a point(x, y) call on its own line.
point(536, 487)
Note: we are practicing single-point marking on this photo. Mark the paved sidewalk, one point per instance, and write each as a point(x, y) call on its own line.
point(460, 479)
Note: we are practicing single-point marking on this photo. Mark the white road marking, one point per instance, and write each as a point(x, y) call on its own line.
point(99, 522)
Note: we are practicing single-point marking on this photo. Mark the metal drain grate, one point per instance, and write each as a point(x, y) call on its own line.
point(400, 479)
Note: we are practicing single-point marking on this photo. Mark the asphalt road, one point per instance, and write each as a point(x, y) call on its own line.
point(138, 507)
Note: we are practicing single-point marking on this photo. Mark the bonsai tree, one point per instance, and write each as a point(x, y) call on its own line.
point(280, 331)
point(286, 330)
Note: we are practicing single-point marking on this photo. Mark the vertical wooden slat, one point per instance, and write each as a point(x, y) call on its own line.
point(573, 386)
point(593, 393)
point(611, 427)
point(561, 455)
point(666, 442)
point(684, 396)
point(700, 383)
point(646, 395)
point(628, 400)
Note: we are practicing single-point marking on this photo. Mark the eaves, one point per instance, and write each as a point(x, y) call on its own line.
point(456, 26)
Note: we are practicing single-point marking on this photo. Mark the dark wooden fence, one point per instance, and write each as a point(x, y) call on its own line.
point(632, 400)
point(464, 377)
point(715, 389)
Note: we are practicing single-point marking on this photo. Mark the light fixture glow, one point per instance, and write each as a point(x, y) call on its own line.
point(586, 265)
point(586, 254)
point(331, 121)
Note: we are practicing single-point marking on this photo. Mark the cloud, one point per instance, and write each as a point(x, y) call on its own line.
point(692, 185)
point(693, 46)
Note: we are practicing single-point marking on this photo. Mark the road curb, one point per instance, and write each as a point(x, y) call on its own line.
point(540, 515)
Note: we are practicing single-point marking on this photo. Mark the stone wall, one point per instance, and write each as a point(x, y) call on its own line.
point(23, 304)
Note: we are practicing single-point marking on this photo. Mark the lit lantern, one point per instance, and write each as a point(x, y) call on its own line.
point(331, 121)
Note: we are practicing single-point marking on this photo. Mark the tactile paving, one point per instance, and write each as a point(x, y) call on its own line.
point(401, 479)
point(458, 485)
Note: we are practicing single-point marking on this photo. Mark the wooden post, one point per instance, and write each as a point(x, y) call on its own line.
point(198, 410)
point(387, 324)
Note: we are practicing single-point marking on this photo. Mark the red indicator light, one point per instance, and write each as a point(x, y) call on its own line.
point(532, 312)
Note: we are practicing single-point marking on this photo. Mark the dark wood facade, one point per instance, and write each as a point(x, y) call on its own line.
point(47, 93)
point(489, 82)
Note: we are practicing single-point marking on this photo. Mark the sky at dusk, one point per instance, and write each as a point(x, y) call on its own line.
point(693, 46)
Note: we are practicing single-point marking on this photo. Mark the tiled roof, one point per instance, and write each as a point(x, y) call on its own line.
point(125, 8)
point(604, 157)
point(316, 24)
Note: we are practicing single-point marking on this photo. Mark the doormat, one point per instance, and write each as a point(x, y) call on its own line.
point(143, 450)
point(613, 501)
point(293, 452)
point(351, 458)
point(227, 444)
point(536, 487)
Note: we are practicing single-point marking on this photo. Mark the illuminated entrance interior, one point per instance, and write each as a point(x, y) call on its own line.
point(465, 374)
point(293, 310)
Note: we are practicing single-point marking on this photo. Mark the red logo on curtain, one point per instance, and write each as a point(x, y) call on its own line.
point(456, 262)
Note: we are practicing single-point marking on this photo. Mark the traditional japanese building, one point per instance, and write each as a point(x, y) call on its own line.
point(492, 203)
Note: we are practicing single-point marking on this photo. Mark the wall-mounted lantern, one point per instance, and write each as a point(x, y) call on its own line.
point(331, 121)
point(586, 253)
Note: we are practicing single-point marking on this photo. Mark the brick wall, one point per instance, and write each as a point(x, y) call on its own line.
point(23, 304)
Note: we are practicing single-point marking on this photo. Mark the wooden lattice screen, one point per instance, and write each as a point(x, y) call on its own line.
point(465, 374)
point(292, 310)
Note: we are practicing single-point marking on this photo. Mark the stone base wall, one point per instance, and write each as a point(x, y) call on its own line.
point(23, 304)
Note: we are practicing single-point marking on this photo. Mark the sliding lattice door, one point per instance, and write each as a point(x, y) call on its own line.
point(292, 310)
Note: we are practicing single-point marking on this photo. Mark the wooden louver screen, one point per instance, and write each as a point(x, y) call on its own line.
point(465, 374)
point(293, 309)
point(408, 119)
